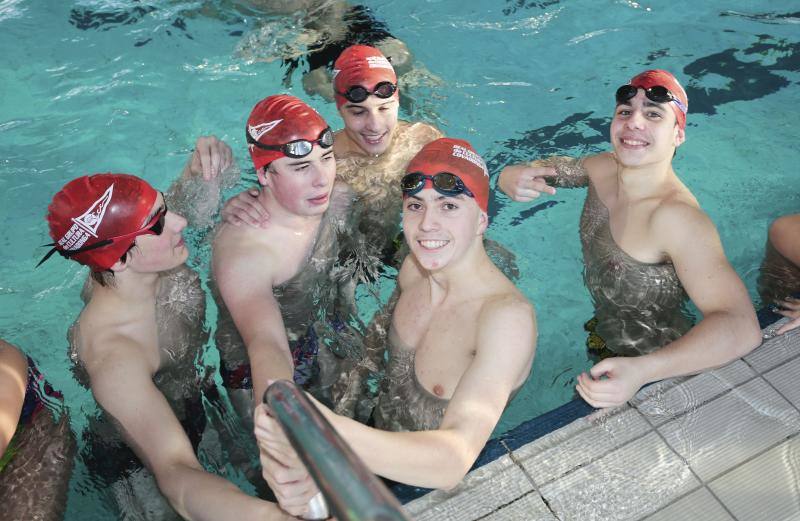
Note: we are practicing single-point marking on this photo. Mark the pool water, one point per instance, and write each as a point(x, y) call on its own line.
point(105, 85)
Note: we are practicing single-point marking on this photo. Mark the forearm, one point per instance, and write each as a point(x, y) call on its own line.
point(431, 459)
point(268, 361)
point(198, 495)
point(570, 171)
point(718, 339)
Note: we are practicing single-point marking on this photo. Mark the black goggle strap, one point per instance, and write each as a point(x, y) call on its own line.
point(69, 253)
point(358, 93)
point(656, 93)
point(289, 148)
point(458, 188)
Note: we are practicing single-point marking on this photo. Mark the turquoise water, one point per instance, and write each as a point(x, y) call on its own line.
point(103, 86)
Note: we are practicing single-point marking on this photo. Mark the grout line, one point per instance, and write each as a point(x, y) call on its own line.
point(536, 490)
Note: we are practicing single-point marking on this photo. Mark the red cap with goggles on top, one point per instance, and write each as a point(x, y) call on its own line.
point(361, 71)
point(451, 167)
point(661, 78)
point(284, 126)
point(96, 219)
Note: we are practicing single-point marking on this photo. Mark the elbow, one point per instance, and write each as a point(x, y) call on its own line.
point(459, 462)
point(747, 336)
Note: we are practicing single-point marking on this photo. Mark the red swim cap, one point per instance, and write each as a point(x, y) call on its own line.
point(662, 78)
point(360, 65)
point(457, 157)
point(277, 120)
point(90, 209)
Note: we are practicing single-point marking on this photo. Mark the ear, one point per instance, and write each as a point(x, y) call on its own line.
point(120, 266)
point(261, 173)
point(680, 136)
point(483, 223)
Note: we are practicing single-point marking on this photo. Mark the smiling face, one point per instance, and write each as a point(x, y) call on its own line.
point(371, 123)
point(644, 132)
point(302, 186)
point(156, 253)
point(441, 229)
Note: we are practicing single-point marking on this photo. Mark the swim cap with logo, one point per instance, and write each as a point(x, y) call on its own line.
point(277, 120)
point(93, 209)
point(455, 156)
point(662, 78)
point(360, 65)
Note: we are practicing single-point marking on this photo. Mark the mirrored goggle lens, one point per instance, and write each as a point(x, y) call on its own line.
point(385, 89)
point(326, 139)
point(356, 94)
point(412, 182)
point(297, 149)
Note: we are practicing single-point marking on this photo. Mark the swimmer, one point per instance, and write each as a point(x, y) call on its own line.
point(136, 340)
point(648, 247)
point(461, 340)
point(36, 449)
point(779, 281)
point(328, 28)
point(274, 285)
point(372, 150)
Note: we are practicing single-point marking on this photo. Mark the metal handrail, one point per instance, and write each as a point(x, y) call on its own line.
point(351, 490)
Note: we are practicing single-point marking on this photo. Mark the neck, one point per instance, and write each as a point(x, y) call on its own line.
point(130, 287)
point(642, 181)
point(464, 273)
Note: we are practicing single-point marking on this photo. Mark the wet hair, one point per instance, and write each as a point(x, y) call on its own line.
point(106, 277)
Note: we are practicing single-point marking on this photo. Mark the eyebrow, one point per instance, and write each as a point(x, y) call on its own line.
point(298, 163)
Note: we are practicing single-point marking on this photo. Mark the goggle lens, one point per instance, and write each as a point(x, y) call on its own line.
point(357, 93)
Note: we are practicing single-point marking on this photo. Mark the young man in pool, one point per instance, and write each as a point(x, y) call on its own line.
point(136, 341)
point(461, 340)
point(275, 286)
point(36, 449)
point(779, 280)
point(647, 248)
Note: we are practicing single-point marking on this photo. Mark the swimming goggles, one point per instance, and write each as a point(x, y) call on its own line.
point(298, 148)
point(444, 182)
point(357, 93)
point(154, 227)
point(655, 93)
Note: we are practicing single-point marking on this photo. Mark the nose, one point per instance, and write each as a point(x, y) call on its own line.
point(636, 120)
point(176, 222)
point(320, 176)
point(429, 220)
point(373, 121)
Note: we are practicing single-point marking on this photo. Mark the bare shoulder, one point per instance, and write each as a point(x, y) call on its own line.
point(234, 246)
point(509, 306)
point(601, 164)
point(681, 225)
point(12, 359)
point(419, 132)
point(784, 232)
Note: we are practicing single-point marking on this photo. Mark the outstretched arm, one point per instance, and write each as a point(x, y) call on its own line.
point(13, 381)
point(728, 330)
point(122, 384)
point(524, 183)
point(440, 458)
point(196, 193)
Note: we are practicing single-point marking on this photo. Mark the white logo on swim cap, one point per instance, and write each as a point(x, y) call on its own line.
point(336, 73)
point(87, 223)
point(256, 131)
point(472, 157)
point(379, 62)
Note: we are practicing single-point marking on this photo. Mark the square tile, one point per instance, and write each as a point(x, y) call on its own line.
point(774, 351)
point(626, 484)
point(526, 508)
point(784, 378)
point(766, 488)
point(732, 428)
point(550, 458)
point(482, 492)
point(664, 405)
point(700, 504)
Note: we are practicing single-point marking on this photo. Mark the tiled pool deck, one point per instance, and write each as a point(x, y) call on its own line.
point(721, 445)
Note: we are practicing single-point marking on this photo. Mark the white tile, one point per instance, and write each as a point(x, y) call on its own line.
point(732, 428)
point(526, 508)
point(664, 405)
point(482, 491)
point(548, 459)
point(766, 488)
point(626, 484)
point(785, 378)
point(775, 351)
point(700, 504)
